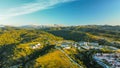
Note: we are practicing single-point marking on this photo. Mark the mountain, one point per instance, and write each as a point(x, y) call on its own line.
point(41, 26)
point(23, 47)
point(49, 47)
point(90, 33)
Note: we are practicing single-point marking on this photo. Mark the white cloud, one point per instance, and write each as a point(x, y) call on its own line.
point(30, 8)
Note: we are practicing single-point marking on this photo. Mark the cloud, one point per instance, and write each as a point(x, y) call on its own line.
point(31, 7)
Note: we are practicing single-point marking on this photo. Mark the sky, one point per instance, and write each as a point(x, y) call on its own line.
point(65, 12)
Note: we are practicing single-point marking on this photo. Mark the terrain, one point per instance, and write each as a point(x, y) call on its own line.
point(40, 48)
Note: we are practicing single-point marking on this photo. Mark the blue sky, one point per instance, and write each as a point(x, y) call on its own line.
point(66, 12)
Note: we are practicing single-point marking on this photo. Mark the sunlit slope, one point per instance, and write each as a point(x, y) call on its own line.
point(16, 45)
point(55, 59)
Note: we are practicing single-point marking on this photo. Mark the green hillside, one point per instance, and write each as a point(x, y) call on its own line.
point(16, 45)
point(36, 48)
point(90, 33)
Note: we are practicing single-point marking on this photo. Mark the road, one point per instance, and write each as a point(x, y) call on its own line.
point(68, 57)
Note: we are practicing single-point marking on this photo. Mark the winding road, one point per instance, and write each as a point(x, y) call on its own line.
point(69, 57)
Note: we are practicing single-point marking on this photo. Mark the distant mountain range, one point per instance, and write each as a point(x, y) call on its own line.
point(109, 27)
point(34, 26)
point(41, 26)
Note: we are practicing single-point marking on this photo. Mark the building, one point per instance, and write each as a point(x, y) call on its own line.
point(111, 58)
point(88, 43)
point(83, 43)
point(36, 46)
point(94, 44)
point(66, 45)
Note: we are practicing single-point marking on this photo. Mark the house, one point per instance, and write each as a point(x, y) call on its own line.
point(83, 43)
point(36, 46)
point(75, 45)
point(79, 47)
point(94, 44)
point(66, 45)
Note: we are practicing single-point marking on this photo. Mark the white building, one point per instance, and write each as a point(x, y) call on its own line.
point(83, 43)
point(66, 45)
point(88, 43)
point(36, 46)
point(110, 58)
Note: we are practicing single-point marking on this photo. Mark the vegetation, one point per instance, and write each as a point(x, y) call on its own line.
point(17, 46)
point(55, 59)
point(104, 35)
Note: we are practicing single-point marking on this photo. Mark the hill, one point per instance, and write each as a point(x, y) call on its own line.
point(17, 45)
point(37, 48)
point(90, 33)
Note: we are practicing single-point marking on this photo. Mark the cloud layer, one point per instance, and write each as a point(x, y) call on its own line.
point(31, 7)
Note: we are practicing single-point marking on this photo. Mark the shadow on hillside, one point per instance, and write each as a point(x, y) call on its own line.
point(86, 57)
point(5, 51)
point(35, 55)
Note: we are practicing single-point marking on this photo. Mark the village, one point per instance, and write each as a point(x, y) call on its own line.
point(79, 45)
point(85, 45)
point(108, 60)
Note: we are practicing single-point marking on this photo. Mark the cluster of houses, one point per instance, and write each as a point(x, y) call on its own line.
point(85, 45)
point(113, 59)
point(88, 43)
point(36, 46)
